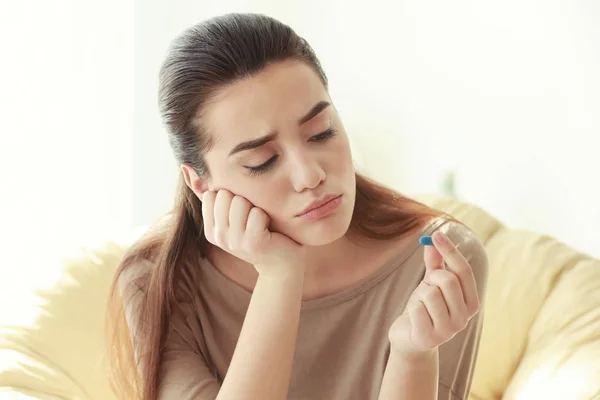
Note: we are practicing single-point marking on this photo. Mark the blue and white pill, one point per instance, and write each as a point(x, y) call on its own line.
point(425, 241)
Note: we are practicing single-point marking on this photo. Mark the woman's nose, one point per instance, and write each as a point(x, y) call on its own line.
point(307, 173)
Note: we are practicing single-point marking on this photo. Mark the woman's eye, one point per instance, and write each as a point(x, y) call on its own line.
point(321, 137)
point(262, 168)
point(267, 165)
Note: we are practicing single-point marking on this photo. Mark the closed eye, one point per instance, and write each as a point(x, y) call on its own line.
point(267, 165)
point(262, 168)
point(323, 136)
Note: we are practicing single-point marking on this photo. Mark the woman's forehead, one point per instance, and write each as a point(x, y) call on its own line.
point(277, 97)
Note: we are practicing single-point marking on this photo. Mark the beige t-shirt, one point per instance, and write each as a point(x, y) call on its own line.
point(342, 346)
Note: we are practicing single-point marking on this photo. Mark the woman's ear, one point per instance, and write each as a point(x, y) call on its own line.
point(193, 181)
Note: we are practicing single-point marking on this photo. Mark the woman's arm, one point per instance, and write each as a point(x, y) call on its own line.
point(261, 364)
point(439, 312)
point(411, 377)
point(262, 361)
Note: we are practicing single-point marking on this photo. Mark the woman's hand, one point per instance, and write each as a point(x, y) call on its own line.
point(443, 303)
point(232, 223)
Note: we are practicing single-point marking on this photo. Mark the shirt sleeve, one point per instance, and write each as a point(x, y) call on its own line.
point(184, 371)
point(458, 356)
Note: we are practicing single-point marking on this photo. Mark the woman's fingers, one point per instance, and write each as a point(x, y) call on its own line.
point(238, 216)
point(431, 297)
point(234, 224)
point(445, 300)
point(451, 291)
point(208, 215)
point(433, 259)
point(221, 212)
point(458, 265)
point(256, 228)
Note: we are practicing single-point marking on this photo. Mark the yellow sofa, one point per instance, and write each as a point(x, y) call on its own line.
point(541, 336)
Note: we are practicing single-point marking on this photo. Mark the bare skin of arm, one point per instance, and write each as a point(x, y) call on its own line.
point(262, 362)
point(261, 365)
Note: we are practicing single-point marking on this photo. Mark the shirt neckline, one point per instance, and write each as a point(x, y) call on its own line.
point(397, 260)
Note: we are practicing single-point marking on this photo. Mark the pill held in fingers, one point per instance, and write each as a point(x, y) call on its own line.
point(426, 241)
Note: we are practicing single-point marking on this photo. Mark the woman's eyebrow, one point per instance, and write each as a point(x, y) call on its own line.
point(255, 143)
point(317, 108)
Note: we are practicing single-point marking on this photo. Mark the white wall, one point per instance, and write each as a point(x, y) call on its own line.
point(505, 93)
point(157, 22)
point(66, 106)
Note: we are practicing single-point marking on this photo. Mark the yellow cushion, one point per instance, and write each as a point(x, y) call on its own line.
point(59, 355)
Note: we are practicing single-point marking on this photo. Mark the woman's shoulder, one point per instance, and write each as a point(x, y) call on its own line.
point(135, 276)
point(132, 285)
point(139, 261)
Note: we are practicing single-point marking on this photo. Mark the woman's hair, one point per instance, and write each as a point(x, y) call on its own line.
point(200, 62)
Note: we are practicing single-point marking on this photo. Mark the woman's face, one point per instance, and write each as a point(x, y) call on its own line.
point(279, 142)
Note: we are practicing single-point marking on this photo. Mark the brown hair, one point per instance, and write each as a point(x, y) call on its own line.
point(199, 62)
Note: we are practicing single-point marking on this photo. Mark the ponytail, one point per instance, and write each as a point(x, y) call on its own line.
point(140, 307)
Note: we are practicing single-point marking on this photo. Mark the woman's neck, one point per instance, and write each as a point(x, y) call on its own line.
point(329, 268)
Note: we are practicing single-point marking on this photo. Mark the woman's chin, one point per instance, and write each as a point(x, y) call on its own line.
point(322, 232)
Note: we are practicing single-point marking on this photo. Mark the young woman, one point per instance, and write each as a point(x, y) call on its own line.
point(281, 272)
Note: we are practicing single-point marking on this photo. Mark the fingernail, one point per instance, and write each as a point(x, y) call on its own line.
point(425, 241)
point(440, 237)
